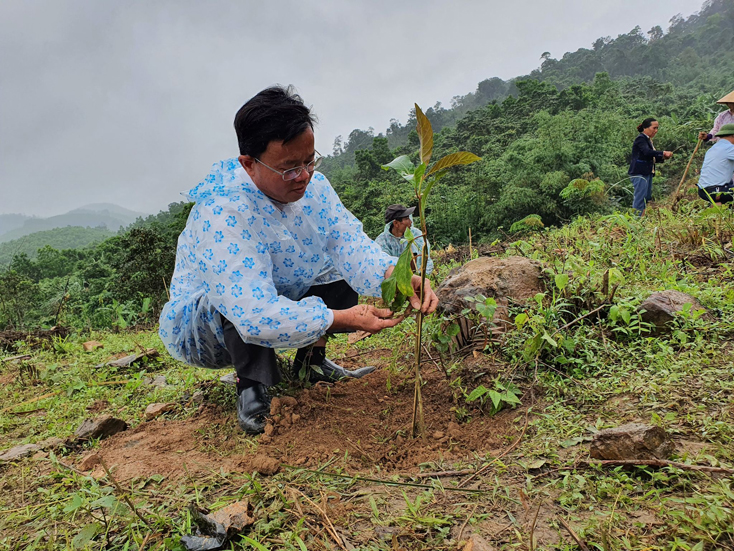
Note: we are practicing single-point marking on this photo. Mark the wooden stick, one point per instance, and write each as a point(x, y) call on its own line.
point(329, 526)
point(468, 518)
point(36, 399)
point(11, 358)
point(123, 494)
point(658, 463)
point(470, 248)
point(676, 197)
point(581, 543)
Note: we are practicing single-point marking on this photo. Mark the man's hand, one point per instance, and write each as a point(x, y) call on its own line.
point(364, 317)
point(703, 136)
point(430, 300)
point(667, 154)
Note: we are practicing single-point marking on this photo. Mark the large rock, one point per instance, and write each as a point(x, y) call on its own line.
point(661, 308)
point(101, 427)
point(156, 410)
point(632, 441)
point(19, 451)
point(515, 278)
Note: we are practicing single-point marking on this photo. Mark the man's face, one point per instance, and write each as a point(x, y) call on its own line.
point(282, 156)
point(402, 224)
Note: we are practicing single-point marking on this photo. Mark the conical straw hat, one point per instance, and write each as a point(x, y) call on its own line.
point(729, 98)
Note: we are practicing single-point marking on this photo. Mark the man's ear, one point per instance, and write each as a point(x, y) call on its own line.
point(247, 162)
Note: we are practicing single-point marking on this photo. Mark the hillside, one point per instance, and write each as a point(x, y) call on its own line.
point(70, 237)
point(99, 215)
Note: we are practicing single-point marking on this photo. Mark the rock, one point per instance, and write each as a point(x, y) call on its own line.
point(51, 443)
point(92, 345)
point(89, 461)
point(198, 397)
point(154, 410)
point(160, 381)
point(234, 517)
point(101, 427)
point(229, 379)
point(19, 451)
point(477, 543)
point(454, 430)
point(438, 435)
point(215, 530)
point(632, 441)
point(265, 465)
point(515, 278)
point(660, 308)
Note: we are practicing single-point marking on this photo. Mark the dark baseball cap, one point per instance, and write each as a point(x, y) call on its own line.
point(395, 212)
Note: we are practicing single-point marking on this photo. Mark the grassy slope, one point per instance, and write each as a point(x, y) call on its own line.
point(607, 373)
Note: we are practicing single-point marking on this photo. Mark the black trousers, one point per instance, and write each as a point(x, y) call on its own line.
point(257, 363)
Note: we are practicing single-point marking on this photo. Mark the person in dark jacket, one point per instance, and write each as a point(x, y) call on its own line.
point(642, 164)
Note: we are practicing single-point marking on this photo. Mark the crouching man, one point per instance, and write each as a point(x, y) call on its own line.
point(270, 258)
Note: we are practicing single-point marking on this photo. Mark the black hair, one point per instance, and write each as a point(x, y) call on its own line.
point(275, 114)
point(647, 123)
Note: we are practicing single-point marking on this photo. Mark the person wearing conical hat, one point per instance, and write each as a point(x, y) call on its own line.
point(725, 117)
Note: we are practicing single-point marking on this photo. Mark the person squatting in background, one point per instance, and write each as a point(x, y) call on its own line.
point(715, 182)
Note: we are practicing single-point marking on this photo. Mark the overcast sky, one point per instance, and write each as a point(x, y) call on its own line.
point(131, 102)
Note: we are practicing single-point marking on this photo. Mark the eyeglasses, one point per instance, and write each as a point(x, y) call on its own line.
point(293, 173)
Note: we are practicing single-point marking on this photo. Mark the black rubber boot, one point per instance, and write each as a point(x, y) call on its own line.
point(253, 408)
point(322, 369)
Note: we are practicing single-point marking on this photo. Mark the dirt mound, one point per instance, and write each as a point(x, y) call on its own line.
point(362, 424)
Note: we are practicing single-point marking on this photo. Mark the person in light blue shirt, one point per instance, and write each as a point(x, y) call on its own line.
point(392, 240)
point(270, 258)
point(715, 181)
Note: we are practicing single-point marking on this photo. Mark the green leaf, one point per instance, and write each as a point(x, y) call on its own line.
point(477, 393)
point(107, 502)
point(420, 170)
point(511, 398)
point(454, 159)
point(404, 274)
point(521, 320)
point(76, 502)
point(256, 545)
point(389, 287)
point(82, 539)
point(453, 330)
point(496, 398)
point(425, 135)
point(435, 177)
point(401, 165)
point(561, 281)
point(547, 338)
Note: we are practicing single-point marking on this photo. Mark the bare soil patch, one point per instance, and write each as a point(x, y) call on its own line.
point(362, 423)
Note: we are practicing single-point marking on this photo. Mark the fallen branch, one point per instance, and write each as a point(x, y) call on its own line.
point(444, 473)
point(500, 456)
point(581, 543)
point(123, 494)
point(21, 357)
point(657, 463)
point(329, 526)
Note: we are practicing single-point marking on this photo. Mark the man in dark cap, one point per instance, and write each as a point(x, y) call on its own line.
point(715, 182)
point(392, 240)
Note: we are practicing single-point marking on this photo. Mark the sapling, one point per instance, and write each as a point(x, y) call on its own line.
point(397, 288)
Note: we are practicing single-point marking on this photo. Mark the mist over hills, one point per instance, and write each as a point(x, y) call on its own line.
point(97, 215)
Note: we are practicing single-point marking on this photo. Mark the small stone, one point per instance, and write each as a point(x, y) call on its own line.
point(198, 397)
point(632, 441)
point(90, 461)
point(51, 443)
point(229, 379)
point(155, 410)
point(19, 451)
point(160, 381)
point(101, 427)
point(40, 455)
point(92, 345)
point(477, 543)
point(265, 465)
point(438, 435)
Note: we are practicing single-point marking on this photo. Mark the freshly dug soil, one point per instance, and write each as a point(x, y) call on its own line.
point(361, 424)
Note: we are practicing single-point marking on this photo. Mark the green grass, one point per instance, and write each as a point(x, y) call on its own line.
point(596, 373)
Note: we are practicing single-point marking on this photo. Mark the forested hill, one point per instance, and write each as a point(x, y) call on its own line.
point(573, 119)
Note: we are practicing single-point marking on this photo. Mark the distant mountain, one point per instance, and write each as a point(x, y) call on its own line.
point(99, 215)
point(72, 237)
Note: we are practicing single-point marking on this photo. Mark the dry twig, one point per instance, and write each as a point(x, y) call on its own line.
point(581, 543)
